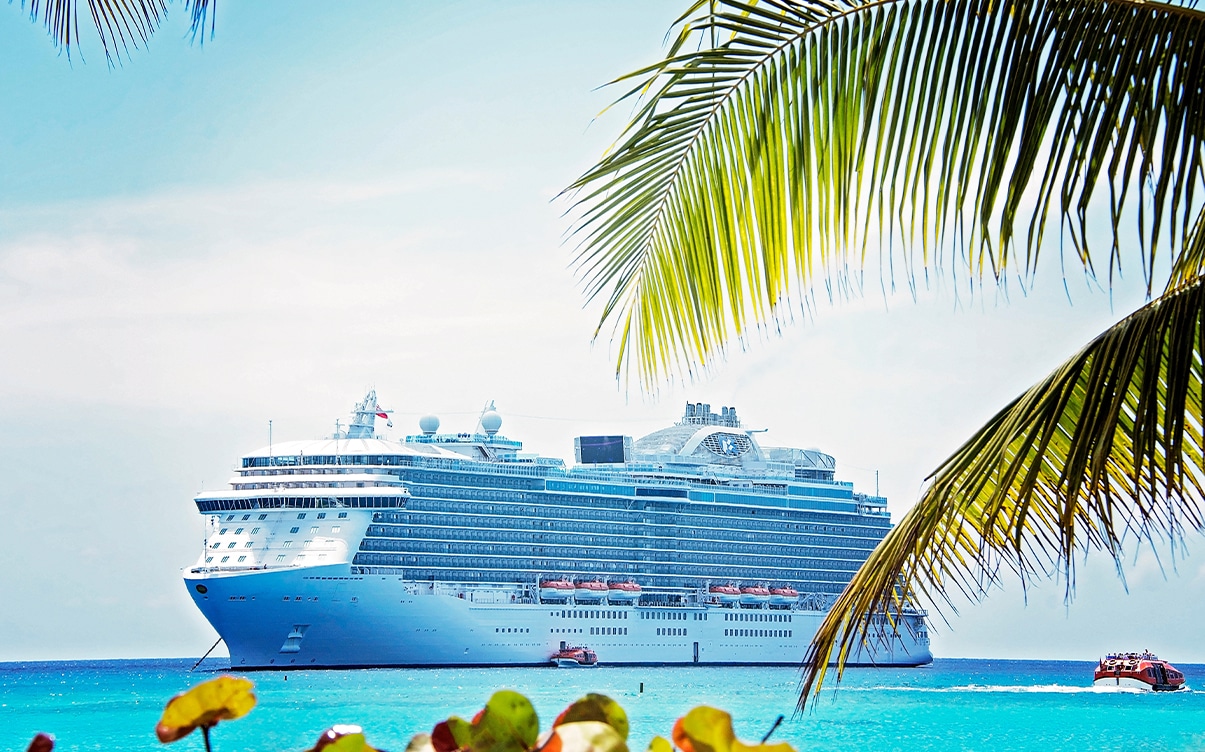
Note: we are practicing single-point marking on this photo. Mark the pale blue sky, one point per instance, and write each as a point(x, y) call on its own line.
point(321, 200)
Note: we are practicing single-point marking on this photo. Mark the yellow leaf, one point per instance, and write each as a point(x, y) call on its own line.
point(707, 729)
point(660, 744)
point(222, 699)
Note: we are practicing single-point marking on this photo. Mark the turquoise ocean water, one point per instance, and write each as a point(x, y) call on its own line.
point(951, 705)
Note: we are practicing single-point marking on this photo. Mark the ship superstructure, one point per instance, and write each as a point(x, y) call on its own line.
point(693, 544)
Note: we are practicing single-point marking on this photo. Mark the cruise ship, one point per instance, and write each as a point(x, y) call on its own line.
point(692, 545)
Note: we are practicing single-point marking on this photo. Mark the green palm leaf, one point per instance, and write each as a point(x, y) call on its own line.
point(819, 130)
point(1106, 449)
point(119, 24)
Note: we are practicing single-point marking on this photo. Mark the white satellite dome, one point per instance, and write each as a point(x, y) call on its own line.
point(491, 422)
point(429, 424)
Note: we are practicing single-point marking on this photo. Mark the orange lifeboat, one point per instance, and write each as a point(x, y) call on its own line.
point(725, 593)
point(575, 657)
point(1137, 671)
point(623, 592)
point(755, 595)
point(554, 590)
point(783, 596)
point(589, 591)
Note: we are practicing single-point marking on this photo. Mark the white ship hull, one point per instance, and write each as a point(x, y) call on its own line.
point(326, 617)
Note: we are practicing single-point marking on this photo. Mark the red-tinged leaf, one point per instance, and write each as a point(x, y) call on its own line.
point(41, 743)
point(451, 735)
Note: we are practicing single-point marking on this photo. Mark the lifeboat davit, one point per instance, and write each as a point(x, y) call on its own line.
point(589, 591)
point(575, 657)
point(725, 593)
point(623, 592)
point(783, 596)
point(555, 590)
point(755, 595)
point(1137, 671)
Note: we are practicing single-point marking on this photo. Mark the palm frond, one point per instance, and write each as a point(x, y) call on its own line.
point(120, 24)
point(1107, 449)
point(814, 132)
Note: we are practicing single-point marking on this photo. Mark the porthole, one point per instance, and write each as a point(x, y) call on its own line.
point(202, 589)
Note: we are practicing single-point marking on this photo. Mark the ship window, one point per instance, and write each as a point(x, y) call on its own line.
point(263, 516)
point(223, 531)
point(314, 529)
point(229, 518)
point(225, 559)
point(217, 545)
point(208, 559)
point(242, 558)
point(287, 544)
point(281, 557)
point(335, 529)
point(343, 515)
point(248, 544)
point(246, 516)
point(322, 515)
point(254, 530)
point(306, 544)
point(301, 516)
point(294, 529)
point(238, 530)
point(232, 544)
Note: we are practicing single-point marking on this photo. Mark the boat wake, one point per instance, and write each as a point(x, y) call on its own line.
point(1058, 689)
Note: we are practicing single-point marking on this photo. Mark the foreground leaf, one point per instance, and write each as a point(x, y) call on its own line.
point(706, 729)
point(585, 736)
point(595, 707)
point(451, 735)
point(781, 147)
point(342, 738)
point(222, 699)
point(507, 723)
point(41, 743)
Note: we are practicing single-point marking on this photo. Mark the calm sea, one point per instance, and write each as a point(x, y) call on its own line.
point(951, 705)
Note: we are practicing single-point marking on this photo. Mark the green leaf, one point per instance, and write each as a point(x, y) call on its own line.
point(507, 724)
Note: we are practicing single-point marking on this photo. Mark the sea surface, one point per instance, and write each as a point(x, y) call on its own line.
point(950, 705)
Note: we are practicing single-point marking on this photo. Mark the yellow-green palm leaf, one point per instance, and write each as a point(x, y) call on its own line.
point(1106, 449)
point(779, 142)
